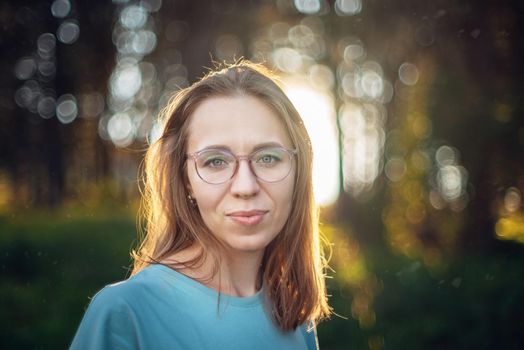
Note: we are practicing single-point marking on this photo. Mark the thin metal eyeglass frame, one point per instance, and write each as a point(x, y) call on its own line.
point(238, 158)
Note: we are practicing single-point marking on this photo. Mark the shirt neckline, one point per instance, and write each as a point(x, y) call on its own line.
point(248, 301)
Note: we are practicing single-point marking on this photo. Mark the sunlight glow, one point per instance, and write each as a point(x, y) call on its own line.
point(318, 113)
point(363, 141)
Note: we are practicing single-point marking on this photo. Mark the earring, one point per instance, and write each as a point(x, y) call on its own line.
point(192, 200)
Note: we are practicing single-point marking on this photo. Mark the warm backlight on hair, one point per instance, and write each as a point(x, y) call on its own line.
point(316, 108)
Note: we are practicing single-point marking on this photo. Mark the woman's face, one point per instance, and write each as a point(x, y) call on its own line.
point(245, 212)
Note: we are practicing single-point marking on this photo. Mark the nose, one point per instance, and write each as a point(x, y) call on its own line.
point(244, 183)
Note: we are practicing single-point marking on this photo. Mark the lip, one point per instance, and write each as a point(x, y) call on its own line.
point(247, 217)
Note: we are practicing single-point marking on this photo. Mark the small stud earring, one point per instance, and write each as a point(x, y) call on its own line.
point(192, 200)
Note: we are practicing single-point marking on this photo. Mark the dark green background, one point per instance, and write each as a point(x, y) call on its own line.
point(66, 231)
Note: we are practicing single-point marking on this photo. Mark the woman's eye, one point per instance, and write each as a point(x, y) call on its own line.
point(215, 162)
point(267, 159)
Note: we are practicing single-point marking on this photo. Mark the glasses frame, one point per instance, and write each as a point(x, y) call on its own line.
point(238, 157)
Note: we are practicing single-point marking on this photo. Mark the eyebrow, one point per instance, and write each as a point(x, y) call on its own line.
point(256, 148)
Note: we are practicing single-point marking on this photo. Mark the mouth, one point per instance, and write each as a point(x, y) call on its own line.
point(247, 218)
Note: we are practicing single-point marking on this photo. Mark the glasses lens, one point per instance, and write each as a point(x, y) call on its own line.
point(271, 164)
point(215, 166)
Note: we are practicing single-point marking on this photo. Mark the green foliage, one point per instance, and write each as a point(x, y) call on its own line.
point(52, 263)
point(477, 303)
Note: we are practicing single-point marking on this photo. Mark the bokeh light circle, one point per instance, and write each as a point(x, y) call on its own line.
point(512, 199)
point(46, 44)
point(395, 169)
point(46, 107)
point(408, 73)
point(60, 8)
point(307, 7)
point(47, 69)
point(287, 59)
point(68, 32)
point(126, 81)
point(121, 129)
point(66, 109)
point(133, 17)
point(371, 84)
point(143, 42)
point(348, 7)
point(446, 155)
point(25, 68)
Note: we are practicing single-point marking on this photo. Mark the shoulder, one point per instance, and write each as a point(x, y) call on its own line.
point(113, 315)
point(115, 300)
point(122, 295)
point(107, 321)
point(125, 297)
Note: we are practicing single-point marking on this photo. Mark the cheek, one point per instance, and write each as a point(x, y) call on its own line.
point(284, 198)
point(197, 188)
point(208, 197)
point(209, 206)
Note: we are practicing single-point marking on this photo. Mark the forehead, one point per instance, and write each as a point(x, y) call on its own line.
point(238, 122)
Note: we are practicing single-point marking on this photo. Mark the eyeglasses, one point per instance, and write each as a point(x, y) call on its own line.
point(270, 164)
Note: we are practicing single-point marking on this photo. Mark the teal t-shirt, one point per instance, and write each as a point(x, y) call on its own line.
point(160, 308)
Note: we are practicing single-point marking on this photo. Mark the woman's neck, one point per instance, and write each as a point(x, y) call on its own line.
point(238, 272)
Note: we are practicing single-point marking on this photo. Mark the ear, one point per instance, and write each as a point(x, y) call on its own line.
point(190, 196)
point(187, 183)
point(189, 190)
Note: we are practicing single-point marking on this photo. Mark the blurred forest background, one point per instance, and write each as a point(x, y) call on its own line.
point(415, 111)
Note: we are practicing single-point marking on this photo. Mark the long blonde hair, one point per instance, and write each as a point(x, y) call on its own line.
point(293, 265)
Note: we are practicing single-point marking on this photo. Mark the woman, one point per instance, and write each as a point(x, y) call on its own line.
point(231, 256)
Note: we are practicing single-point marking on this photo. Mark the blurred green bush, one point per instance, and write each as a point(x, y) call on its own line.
point(52, 263)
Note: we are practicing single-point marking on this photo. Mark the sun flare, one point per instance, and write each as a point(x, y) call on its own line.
point(316, 108)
